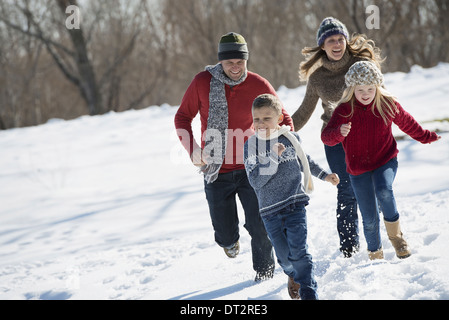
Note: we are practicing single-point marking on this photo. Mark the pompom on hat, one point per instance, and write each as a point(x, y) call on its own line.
point(232, 46)
point(364, 73)
point(330, 27)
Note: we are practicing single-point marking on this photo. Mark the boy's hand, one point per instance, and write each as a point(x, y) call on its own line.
point(345, 129)
point(279, 148)
point(333, 178)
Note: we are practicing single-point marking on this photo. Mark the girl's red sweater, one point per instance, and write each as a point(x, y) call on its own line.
point(370, 143)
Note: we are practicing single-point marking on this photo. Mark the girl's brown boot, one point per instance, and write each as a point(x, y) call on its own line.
point(397, 240)
point(374, 255)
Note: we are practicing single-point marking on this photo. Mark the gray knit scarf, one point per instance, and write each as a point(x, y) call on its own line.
point(217, 123)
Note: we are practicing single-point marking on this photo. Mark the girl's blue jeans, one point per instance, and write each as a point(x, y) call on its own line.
point(372, 189)
point(287, 230)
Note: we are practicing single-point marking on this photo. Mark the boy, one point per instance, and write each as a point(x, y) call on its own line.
point(273, 169)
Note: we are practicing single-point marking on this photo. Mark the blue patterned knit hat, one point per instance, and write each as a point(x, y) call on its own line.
point(330, 27)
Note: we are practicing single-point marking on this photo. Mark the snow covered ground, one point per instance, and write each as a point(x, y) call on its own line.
point(109, 207)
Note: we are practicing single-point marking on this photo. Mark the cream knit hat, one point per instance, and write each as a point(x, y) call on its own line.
point(364, 73)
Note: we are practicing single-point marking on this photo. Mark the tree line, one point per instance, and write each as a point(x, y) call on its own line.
point(116, 55)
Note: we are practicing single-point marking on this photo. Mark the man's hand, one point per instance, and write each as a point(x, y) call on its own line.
point(197, 158)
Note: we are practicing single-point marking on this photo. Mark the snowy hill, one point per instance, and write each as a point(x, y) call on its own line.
point(109, 207)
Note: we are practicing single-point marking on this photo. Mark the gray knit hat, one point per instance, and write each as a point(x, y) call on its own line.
point(232, 46)
point(364, 73)
point(330, 27)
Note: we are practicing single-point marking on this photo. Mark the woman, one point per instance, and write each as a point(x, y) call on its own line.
point(324, 70)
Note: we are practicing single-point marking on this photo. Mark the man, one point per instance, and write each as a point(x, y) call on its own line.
point(223, 95)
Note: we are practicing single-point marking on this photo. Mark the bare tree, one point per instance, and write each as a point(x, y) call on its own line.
point(73, 57)
point(137, 53)
point(84, 76)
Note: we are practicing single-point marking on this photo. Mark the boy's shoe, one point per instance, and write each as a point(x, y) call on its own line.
point(233, 250)
point(293, 289)
point(264, 275)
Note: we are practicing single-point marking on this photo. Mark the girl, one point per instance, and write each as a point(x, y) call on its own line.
point(362, 123)
point(325, 69)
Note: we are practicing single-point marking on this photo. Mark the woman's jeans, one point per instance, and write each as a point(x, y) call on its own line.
point(372, 189)
point(221, 197)
point(288, 233)
point(347, 218)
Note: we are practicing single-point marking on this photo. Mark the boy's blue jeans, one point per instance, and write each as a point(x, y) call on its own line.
point(372, 189)
point(287, 230)
point(347, 216)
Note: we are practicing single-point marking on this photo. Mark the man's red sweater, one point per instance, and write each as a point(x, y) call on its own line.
point(370, 143)
point(239, 98)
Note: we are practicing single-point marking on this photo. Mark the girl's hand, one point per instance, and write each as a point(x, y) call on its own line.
point(333, 178)
point(438, 138)
point(279, 148)
point(345, 129)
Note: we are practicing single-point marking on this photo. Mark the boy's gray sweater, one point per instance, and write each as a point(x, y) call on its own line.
point(276, 179)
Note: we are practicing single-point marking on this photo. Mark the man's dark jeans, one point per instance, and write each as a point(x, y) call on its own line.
point(221, 197)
